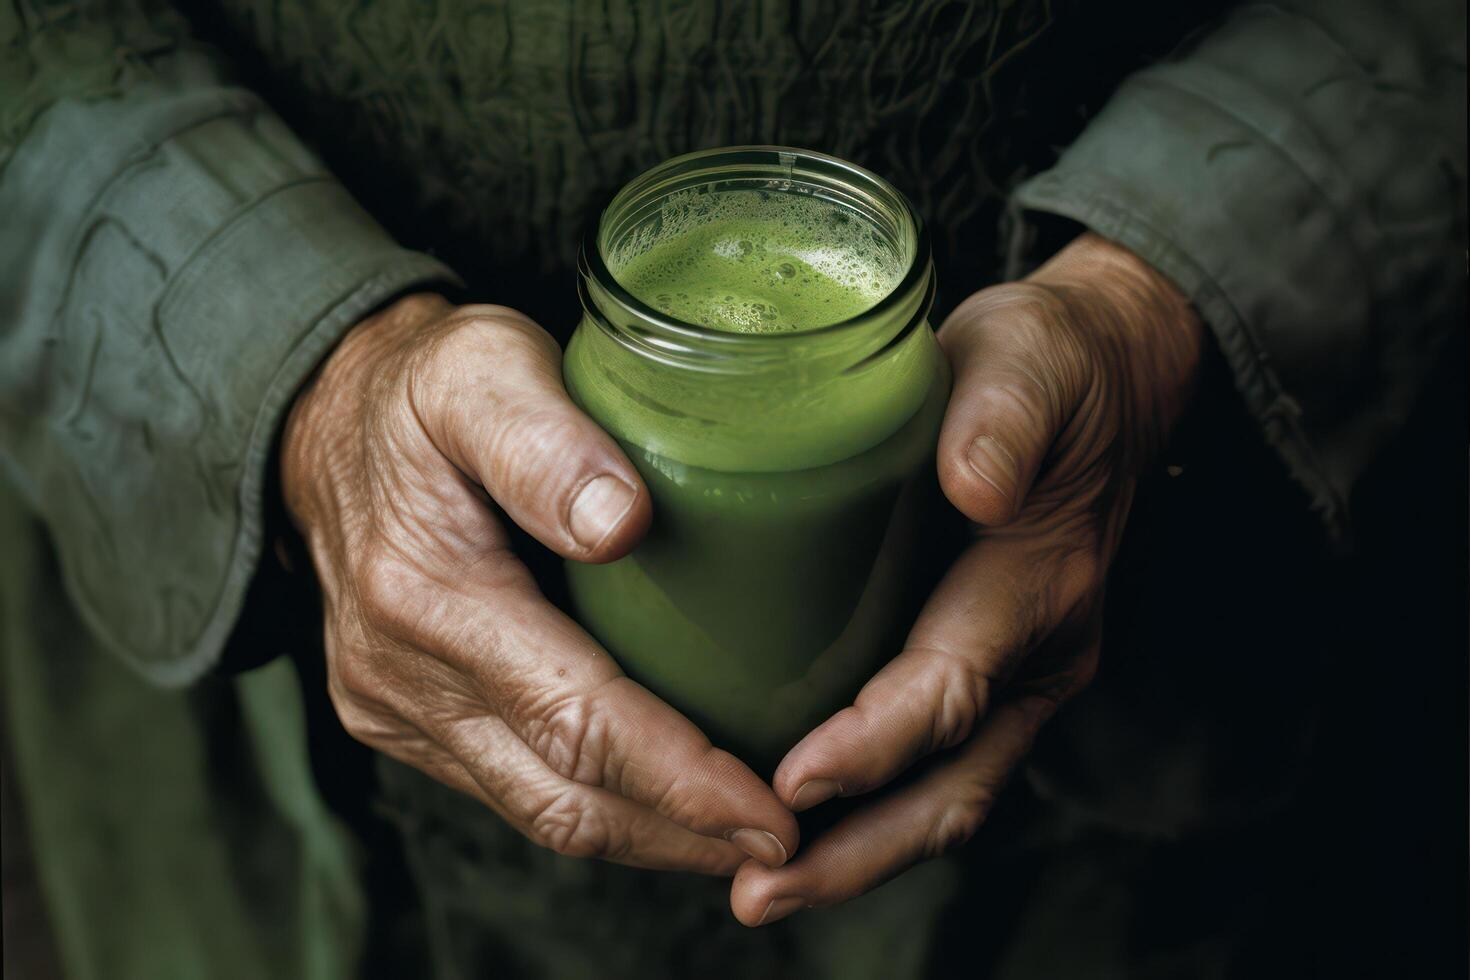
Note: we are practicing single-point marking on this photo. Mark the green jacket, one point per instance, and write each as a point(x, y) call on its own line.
point(175, 259)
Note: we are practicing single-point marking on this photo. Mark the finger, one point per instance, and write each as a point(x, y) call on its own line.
point(490, 396)
point(565, 698)
point(1016, 380)
point(573, 819)
point(490, 764)
point(994, 604)
point(938, 811)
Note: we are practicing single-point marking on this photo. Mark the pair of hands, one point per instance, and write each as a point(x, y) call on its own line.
point(428, 420)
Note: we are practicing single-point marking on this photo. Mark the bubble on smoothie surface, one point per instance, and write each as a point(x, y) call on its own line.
point(756, 261)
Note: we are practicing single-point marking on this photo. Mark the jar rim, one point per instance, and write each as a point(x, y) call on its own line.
point(708, 166)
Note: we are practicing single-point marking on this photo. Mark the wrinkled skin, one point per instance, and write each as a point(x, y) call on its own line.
point(441, 652)
point(428, 420)
point(1066, 385)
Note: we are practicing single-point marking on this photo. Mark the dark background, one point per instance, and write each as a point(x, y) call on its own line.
point(1311, 819)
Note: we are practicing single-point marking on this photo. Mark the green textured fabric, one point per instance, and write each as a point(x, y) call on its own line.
point(179, 834)
point(175, 258)
point(491, 132)
point(175, 264)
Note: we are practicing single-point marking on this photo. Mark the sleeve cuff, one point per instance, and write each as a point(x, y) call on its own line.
point(1112, 209)
point(1301, 178)
point(1220, 180)
point(191, 263)
point(352, 288)
point(248, 319)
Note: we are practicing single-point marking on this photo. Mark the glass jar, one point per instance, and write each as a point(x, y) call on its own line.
point(782, 466)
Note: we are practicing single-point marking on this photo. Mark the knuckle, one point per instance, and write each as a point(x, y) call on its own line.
point(505, 331)
point(388, 592)
point(685, 799)
point(381, 586)
point(571, 827)
point(495, 566)
point(494, 316)
point(1028, 336)
point(1016, 311)
point(527, 438)
point(570, 735)
point(355, 677)
point(1032, 310)
point(454, 357)
point(956, 823)
point(1022, 395)
point(958, 692)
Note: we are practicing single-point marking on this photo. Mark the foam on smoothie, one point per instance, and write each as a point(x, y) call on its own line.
point(756, 261)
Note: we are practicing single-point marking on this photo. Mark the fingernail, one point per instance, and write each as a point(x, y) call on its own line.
point(780, 908)
point(814, 791)
point(994, 464)
point(759, 844)
point(599, 509)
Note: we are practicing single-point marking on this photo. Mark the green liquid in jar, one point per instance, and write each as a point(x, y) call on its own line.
point(766, 592)
point(774, 264)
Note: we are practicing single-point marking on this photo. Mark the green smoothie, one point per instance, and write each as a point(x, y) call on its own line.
point(766, 590)
point(762, 263)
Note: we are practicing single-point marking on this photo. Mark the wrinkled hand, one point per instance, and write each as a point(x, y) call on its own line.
point(1066, 385)
point(441, 652)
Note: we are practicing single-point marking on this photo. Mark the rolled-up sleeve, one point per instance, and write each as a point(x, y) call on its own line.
point(173, 264)
point(1299, 172)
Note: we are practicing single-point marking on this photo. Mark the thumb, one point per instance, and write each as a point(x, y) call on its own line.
point(1017, 380)
point(492, 401)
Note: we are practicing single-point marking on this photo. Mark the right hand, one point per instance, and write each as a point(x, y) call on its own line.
point(441, 651)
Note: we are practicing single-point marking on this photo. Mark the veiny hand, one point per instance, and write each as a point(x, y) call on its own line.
point(441, 652)
point(1066, 385)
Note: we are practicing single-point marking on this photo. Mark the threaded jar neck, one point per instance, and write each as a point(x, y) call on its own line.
point(681, 192)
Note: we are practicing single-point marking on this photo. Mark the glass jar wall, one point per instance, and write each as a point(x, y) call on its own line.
point(756, 336)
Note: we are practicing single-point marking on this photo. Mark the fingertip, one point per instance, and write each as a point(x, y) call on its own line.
point(762, 845)
point(607, 516)
point(760, 897)
point(795, 769)
point(981, 478)
point(801, 783)
point(814, 792)
point(751, 893)
point(492, 401)
point(766, 829)
point(787, 832)
point(830, 761)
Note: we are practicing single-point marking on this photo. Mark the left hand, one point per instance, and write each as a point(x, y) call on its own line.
point(1066, 386)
